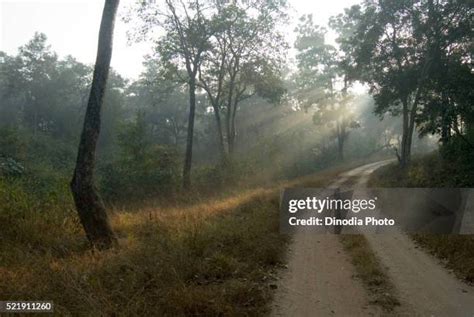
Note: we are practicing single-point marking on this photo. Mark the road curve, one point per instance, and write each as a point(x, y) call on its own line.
point(321, 281)
point(424, 286)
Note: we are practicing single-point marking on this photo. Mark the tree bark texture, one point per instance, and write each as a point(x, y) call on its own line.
point(89, 205)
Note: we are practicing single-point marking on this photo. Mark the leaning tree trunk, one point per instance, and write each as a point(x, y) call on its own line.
point(89, 205)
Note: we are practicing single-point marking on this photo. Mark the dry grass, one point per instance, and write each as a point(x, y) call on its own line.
point(214, 257)
point(455, 251)
point(371, 272)
point(175, 263)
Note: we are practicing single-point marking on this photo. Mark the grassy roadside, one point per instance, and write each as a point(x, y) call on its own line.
point(456, 252)
point(213, 260)
point(370, 271)
point(211, 257)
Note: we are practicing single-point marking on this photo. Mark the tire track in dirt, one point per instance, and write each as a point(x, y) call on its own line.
point(320, 279)
point(424, 286)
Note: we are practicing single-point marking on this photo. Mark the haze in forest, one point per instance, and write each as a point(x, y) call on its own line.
point(79, 20)
point(144, 145)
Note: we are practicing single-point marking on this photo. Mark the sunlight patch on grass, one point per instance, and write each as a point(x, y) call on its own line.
point(216, 256)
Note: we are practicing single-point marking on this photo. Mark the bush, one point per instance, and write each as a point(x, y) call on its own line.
point(156, 172)
point(10, 167)
point(228, 175)
point(458, 161)
point(451, 166)
point(12, 143)
point(37, 222)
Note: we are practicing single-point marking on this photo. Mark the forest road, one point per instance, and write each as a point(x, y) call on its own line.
point(321, 281)
point(424, 287)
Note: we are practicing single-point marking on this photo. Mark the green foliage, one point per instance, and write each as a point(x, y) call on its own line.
point(38, 158)
point(156, 174)
point(225, 175)
point(44, 104)
point(452, 166)
point(162, 101)
point(140, 162)
point(12, 143)
point(35, 219)
point(317, 65)
point(231, 50)
point(415, 56)
point(320, 71)
point(9, 167)
point(50, 153)
point(458, 160)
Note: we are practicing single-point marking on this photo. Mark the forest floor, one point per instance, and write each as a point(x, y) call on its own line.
point(333, 275)
point(211, 257)
point(222, 256)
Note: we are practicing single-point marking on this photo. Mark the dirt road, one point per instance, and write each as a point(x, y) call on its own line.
point(320, 280)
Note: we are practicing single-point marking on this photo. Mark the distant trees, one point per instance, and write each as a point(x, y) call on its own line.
point(45, 95)
point(29, 92)
point(89, 205)
point(231, 51)
point(244, 59)
point(163, 101)
point(186, 40)
point(180, 50)
point(321, 82)
point(405, 51)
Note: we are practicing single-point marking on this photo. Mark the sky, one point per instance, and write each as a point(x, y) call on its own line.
point(72, 28)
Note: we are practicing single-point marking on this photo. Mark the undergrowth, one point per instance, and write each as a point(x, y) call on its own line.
point(195, 256)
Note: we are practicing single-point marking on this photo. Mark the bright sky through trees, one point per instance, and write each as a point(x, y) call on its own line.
point(71, 24)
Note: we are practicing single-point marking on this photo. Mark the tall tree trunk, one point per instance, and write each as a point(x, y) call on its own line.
point(229, 110)
point(403, 155)
point(35, 120)
point(445, 120)
point(340, 140)
point(231, 137)
point(233, 132)
point(220, 134)
point(411, 129)
point(190, 137)
point(231, 143)
point(409, 115)
point(411, 125)
point(228, 116)
point(341, 148)
point(89, 205)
